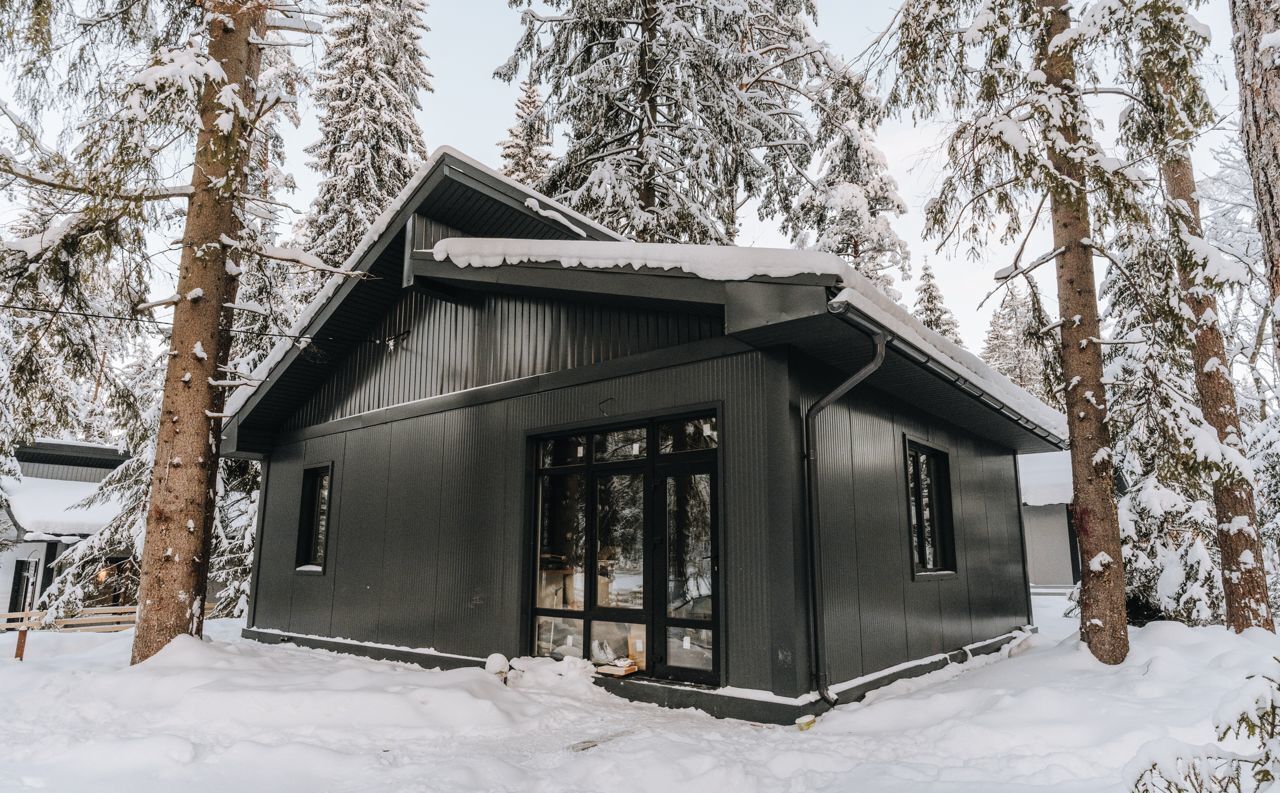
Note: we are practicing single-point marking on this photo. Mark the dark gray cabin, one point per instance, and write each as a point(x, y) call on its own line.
point(762, 491)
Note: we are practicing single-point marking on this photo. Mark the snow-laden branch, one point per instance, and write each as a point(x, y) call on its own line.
point(37, 178)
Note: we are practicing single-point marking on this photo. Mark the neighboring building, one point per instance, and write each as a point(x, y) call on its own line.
point(1053, 559)
point(42, 519)
point(608, 460)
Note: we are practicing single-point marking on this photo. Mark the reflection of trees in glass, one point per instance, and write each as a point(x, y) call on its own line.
point(621, 445)
point(689, 545)
point(620, 521)
point(563, 536)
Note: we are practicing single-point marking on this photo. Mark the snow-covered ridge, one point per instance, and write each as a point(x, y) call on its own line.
point(49, 506)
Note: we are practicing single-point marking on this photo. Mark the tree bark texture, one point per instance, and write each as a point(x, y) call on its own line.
point(1244, 580)
point(175, 556)
point(1258, 74)
point(1103, 621)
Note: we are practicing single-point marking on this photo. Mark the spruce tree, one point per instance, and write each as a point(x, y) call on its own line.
point(367, 90)
point(1008, 346)
point(931, 310)
point(677, 114)
point(526, 151)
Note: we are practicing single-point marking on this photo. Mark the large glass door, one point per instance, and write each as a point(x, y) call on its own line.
point(626, 558)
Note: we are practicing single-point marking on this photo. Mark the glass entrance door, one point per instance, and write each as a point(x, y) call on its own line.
point(626, 567)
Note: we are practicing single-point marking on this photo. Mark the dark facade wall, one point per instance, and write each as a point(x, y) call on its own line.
point(430, 542)
point(876, 614)
point(445, 347)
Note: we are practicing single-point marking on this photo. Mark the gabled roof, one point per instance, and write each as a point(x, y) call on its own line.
point(513, 238)
point(452, 189)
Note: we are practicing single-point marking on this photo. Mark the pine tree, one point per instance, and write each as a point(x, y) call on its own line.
point(371, 75)
point(931, 310)
point(526, 152)
point(677, 114)
point(1008, 346)
point(151, 88)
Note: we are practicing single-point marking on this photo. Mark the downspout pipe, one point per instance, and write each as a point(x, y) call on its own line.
point(817, 631)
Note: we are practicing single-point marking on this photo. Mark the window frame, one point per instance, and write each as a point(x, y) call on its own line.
point(654, 466)
point(944, 524)
point(304, 558)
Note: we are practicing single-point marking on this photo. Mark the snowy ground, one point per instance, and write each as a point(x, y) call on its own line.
point(232, 715)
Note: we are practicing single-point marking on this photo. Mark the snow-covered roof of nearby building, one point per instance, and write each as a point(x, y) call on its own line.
point(729, 263)
point(47, 507)
point(1045, 478)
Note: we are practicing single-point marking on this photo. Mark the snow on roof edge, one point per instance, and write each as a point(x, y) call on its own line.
point(860, 294)
point(262, 373)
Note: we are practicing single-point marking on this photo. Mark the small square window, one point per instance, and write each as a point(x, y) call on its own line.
point(313, 523)
point(929, 508)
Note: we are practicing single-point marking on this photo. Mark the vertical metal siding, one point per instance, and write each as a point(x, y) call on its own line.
point(311, 608)
point(355, 552)
point(454, 346)
point(876, 615)
point(66, 473)
point(454, 563)
point(277, 554)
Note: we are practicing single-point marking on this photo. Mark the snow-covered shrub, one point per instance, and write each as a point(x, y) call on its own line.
point(1249, 723)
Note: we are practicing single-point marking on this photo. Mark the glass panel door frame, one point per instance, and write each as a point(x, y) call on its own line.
point(655, 467)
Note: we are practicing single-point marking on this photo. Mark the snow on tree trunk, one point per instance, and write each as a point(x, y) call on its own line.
point(1103, 623)
point(1256, 43)
point(1239, 543)
point(175, 557)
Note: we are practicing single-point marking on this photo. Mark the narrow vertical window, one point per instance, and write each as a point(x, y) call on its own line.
point(313, 524)
point(929, 508)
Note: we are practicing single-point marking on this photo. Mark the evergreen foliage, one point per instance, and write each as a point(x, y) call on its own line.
point(1013, 345)
point(931, 310)
point(526, 151)
point(367, 90)
point(678, 114)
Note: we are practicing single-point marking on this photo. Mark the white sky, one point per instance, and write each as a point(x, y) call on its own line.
point(471, 111)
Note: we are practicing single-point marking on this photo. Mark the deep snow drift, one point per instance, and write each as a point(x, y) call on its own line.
point(233, 715)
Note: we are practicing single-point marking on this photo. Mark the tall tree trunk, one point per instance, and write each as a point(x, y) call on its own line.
point(1103, 622)
point(175, 556)
point(1244, 580)
point(1258, 73)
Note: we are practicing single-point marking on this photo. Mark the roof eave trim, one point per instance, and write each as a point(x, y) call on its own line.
point(940, 368)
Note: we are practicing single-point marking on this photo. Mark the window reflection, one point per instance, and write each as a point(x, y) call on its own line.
point(689, 546)
point(625, 444)
point(620, 533)
point(561, 558)
point(687, 436)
